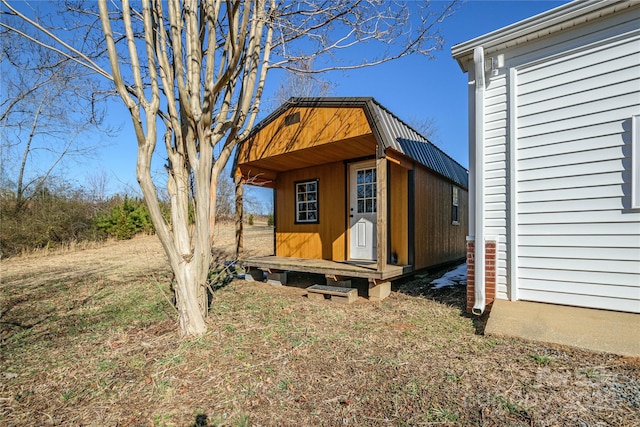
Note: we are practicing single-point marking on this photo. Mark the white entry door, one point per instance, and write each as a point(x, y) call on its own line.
point(362, 211)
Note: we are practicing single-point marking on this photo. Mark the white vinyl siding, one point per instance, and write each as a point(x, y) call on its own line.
point(635, 163)
point(495, 176)
point(577, 238)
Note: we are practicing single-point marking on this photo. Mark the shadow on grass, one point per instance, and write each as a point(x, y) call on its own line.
point(84, 307)
point(201, 421)
point(420, 285)
point(303, 280)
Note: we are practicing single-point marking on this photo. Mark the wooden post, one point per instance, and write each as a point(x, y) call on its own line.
point(239, 213)
point(381, 207)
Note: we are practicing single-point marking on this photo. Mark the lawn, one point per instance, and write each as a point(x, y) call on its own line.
point(89, 338)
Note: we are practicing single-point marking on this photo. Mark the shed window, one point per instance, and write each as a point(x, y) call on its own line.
point(366, 196)
point(455, 206)
point(307, 202)
point(635, 162)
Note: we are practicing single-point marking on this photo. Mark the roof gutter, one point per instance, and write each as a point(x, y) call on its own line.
point(479, 275)
point(561, 18)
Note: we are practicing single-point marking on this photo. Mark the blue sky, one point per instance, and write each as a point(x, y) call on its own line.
point(412, 88)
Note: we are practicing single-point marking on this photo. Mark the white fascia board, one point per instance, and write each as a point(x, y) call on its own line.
point(546, 23)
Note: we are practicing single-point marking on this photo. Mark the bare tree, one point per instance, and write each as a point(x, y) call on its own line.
point(192, 73)
point(426, 126)
point(225, 195)
point(302, 82)
point(46, 113)
point(97, 183)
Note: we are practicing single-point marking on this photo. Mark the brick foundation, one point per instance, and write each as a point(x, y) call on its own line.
point(490, 277)
point(471, 274)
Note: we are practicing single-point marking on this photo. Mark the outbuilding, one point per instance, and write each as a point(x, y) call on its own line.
point(357, 192)
point(554, 118)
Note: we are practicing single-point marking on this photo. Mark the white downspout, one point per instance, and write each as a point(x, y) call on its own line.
point(479, 289)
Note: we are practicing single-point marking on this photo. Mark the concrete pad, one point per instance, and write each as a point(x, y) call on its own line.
point(274, 282)
point(254, 275)
point(591, 329)
point(333, 293)
point(380, 291)
point(281, 278)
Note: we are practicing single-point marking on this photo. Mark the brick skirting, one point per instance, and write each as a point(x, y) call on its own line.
point(490, 274)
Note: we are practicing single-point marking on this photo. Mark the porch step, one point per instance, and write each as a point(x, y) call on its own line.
point(333, 293)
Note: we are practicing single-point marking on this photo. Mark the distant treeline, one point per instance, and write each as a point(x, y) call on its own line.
point(52, 218)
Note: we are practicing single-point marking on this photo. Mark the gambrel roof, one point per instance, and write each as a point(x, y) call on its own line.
point(389, 130)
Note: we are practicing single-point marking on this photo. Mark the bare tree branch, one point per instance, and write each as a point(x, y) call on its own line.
point(80, 57)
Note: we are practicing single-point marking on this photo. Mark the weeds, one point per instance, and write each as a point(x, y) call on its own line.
point(162, 420)
point(452, 377)
point(541, 359)
point(67, 395)
point(284, 385)
point(591, 373)
point(516, 409)
point(441, 415)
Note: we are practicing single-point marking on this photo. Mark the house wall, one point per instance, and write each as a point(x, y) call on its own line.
point(566, 232)
point(325, 240)
point(437, 239)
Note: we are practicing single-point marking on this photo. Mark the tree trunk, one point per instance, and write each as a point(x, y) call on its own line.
point(190, 289)
point(239, 215)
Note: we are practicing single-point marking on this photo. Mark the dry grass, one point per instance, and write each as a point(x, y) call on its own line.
point(89, 338)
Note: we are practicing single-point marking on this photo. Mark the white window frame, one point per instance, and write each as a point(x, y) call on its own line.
point(369, 202)
point(305, 203)
point(635, 162)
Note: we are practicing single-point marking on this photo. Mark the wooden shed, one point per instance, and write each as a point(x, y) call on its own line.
point(357, 192)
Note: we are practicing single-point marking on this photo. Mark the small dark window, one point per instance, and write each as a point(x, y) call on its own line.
point(307, 202)
point(292, 119)
point(455, 206)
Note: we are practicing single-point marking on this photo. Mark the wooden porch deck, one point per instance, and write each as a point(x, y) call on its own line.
point(326, 267)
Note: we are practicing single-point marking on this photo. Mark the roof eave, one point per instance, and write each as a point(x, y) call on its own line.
point(541, 25)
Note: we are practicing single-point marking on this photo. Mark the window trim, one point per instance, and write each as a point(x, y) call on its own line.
point(316, 181)
point(374, 188)
point(455, 205)
point(635, 162)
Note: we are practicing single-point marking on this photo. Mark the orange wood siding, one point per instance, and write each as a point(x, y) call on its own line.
point(325, 240)
point(437, 240)
point(399, 215)
point(317, 126)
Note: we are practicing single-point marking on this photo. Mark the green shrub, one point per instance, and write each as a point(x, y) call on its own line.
point(251, 219)
point(125, 219)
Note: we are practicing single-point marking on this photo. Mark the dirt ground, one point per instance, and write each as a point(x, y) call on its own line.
point(88, 337)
